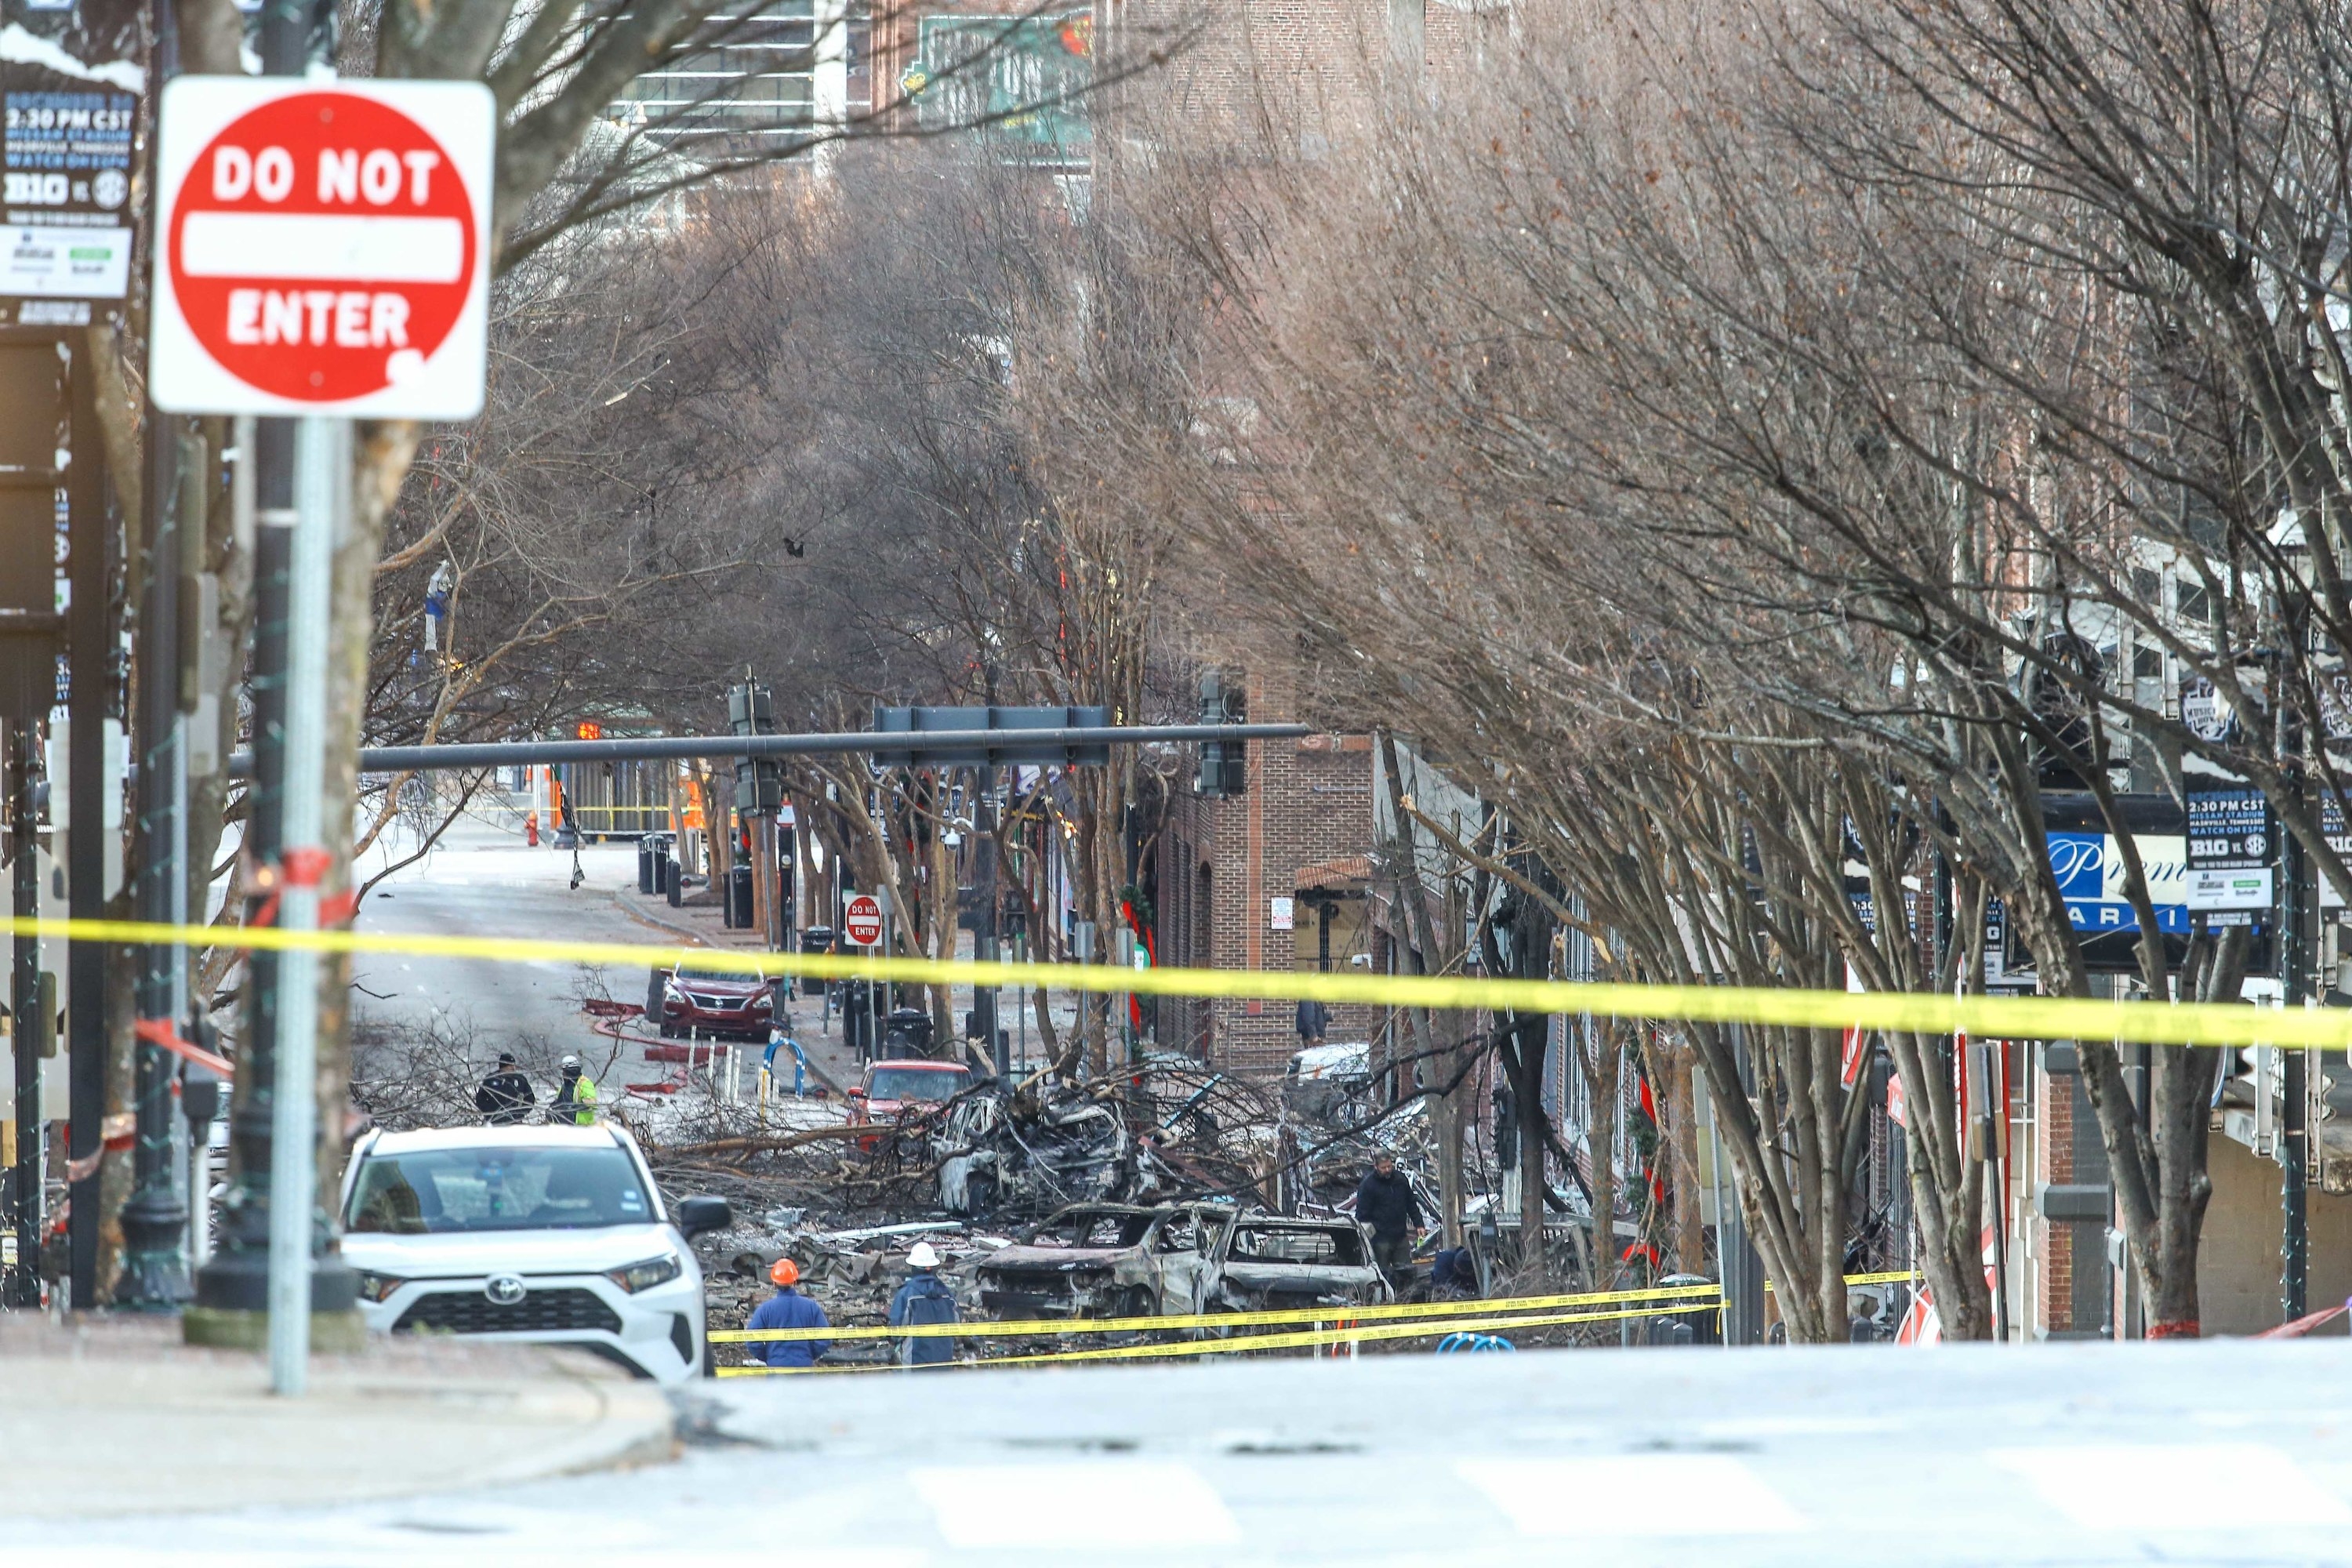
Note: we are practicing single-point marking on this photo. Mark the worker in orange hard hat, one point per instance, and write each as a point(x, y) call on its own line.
point(788, 1309)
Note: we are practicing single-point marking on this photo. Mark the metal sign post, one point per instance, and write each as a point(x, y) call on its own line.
point(323, 480)
point(322, 251)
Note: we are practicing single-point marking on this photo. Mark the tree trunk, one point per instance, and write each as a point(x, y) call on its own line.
point(1600, 1142)
point(1682, 1179)
point(380, 459)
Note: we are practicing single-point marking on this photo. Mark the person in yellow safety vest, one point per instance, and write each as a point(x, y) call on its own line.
point(575, 1101)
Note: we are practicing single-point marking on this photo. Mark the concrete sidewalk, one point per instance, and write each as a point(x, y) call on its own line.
point(115, 1417)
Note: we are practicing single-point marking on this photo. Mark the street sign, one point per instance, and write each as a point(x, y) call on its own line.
point(861, 920)
point(913, 721)
point(324, 248)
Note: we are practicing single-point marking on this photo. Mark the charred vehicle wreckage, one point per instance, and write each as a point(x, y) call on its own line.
point(1011, 1151)
point(1123, 1261)
point(1167, 1189)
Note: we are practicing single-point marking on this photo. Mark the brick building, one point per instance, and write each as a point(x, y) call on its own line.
point(1275, 878)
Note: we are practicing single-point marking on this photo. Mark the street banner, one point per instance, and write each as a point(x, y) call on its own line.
point(70, 81)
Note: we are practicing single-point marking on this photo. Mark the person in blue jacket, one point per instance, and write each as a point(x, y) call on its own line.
point(788, 1309)
point(925, 1297)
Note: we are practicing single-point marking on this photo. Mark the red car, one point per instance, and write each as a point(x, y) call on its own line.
point(705, 1001)
point(891, 1089)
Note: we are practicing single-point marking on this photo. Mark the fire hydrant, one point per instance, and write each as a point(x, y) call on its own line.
point(531, 829)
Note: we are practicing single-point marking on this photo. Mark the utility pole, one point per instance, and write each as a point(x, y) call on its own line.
point(267, 1284)
point(90, 647)
point(2293, 1144)
point(31, 1026)
point(233, 1287)
point(155, 1216)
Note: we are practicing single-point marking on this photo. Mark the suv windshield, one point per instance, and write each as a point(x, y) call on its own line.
point(916, 1083)
point(440, 1190)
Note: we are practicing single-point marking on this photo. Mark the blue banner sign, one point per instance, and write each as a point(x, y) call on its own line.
point(2090, 872)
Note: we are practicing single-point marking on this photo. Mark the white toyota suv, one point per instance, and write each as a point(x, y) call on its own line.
point(555, 1235)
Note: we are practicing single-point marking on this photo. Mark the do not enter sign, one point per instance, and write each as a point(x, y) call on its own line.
point(861, 920)
point(324, 247)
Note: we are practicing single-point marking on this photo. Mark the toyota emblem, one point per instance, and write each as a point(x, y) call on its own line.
point(504, 1290)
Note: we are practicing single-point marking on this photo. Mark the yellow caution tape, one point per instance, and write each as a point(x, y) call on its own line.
point(1035, 1326)
point(1298, 1341)
point(1676, 1298)
point(1986, 1017)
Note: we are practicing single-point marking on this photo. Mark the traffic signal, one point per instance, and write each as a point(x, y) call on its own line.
point(1225, 764)
point(759, 781)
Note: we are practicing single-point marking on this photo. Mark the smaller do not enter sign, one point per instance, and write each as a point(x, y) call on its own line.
point(861, 920)
point(324, 248)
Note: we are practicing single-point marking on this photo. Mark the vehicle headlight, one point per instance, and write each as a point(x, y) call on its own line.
point(763, 1001)
point(378, 1287)
point(653, 1271)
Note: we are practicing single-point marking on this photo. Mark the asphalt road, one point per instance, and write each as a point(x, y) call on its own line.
point(2223, 1452)
point(481, 880)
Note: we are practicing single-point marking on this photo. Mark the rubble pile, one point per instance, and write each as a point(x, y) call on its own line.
point(852, 1272)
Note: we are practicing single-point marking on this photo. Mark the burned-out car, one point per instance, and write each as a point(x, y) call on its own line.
point(1116, 1260)
point(1263, 1262)
point(1095, 1260)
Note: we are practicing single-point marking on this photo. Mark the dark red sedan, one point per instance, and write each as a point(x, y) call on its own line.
point(699, 999)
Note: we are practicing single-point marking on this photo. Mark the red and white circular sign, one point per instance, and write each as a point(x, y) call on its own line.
point(324, 247)
point(861, 920)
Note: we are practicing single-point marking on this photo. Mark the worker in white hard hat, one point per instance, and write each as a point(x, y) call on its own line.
point(575, 1101)
point(925, 1297)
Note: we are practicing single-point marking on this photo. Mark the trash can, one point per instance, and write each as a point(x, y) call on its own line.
point(907, 1032)
point(653, 849)
point(815, 938)
point(1701, 1325)
point(738, 897)
point(674, 881)
point(857, 1017)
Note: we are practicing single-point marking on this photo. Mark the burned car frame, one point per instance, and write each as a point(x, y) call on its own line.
point(1118, 1260)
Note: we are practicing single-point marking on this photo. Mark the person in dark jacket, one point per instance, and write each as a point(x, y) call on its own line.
point(925, 1297)
point(505, 1095)
point(1387, 1206)
point(788, 1309)
point(1313, 1021)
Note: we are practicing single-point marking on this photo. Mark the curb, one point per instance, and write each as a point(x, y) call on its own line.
point(213, 1440)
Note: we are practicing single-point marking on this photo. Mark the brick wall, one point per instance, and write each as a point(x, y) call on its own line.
point(1308, 801)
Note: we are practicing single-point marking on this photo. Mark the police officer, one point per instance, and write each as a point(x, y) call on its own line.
point(506, 1094)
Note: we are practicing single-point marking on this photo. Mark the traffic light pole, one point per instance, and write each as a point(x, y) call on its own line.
point(155, 1216)
point(2293, 1144)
